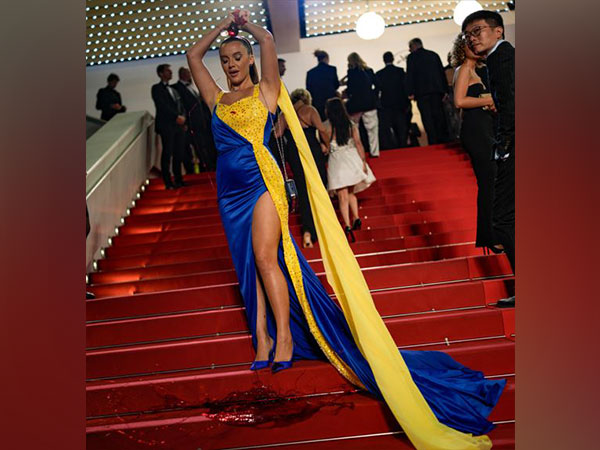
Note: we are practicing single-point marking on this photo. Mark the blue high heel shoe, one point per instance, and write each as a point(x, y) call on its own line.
point(258, 365)
point(278, 366)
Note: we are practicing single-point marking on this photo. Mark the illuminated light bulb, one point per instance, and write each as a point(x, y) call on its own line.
point(464, 8)
point(370, 26)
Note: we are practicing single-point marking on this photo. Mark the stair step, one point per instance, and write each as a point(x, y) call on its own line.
point(458, 189)
point(221, 426)
point(458, 269)
point(195, 352)
point(216, 269)
point(192, 254)
point(196, 388)
point(422, 227)
point(211, 322)
point(398, 301)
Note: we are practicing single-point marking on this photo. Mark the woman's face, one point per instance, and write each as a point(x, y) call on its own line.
point(235, 62)
point(469, 53)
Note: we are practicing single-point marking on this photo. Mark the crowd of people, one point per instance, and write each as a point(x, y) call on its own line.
point(345, 119)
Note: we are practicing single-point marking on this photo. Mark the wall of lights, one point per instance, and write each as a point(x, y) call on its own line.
point(340, 16)
point(141, 29)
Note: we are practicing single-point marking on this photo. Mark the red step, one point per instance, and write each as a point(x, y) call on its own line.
point(422, 225)
point(204, 322)
point(400, 301)
point(458, 269)
point(217, 268)
point(191, 353)
point(271, 421)
point(196, 388)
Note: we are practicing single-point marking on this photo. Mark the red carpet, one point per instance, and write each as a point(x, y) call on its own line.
point(168, 347)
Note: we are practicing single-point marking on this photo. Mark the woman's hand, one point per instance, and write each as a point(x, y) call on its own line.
point(365, 169)
point(241, 17)
point(324, 149)
point(227, 21)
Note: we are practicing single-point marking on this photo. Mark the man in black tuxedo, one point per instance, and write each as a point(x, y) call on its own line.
point(484, 31)
point(426, 83)
point(169, 124)
point(322, 82)
point(394, 102)
point(108, 99)
point(198, 134)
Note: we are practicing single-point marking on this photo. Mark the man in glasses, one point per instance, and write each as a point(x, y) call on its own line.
point(484, 33)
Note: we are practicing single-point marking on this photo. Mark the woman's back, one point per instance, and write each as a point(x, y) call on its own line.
point(361, 90)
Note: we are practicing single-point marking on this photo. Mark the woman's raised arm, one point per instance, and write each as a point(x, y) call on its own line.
point(269, 68)
point(202, 77)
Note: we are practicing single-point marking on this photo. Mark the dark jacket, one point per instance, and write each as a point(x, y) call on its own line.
point(322, 82)
point(425, 74)
point(106, 97)
point(194, 106)
point(501, 75)
point(167, 109)
point(392, 84)
point(363, 90)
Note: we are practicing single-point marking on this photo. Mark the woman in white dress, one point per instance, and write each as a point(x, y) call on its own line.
point(348, 172)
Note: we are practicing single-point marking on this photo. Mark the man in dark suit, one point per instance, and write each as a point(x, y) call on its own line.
point(484, 31)
point(198, 134)
point(322, 82)
point(108, 99)
point(394, 103)
point(169, 124)
point(426, 83)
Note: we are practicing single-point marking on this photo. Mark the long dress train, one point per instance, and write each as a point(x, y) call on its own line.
point(423, 389)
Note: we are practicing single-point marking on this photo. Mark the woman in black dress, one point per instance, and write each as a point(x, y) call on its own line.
point(311, 123)
point(476, 134)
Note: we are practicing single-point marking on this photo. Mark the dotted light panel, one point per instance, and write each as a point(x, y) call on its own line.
point(339, 16)
point(140, 29)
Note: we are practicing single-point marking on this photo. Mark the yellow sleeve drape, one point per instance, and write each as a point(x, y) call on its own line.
point(368, 329)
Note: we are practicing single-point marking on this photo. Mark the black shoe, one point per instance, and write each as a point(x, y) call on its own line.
point(506, 302)
point(179, 184)
point(495, 249)
point(349, 234)
point(169, 186)
point(357, 224)
point(89, 295)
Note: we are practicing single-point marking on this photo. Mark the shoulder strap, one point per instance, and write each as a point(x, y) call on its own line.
point(256, 90)
point(219, 95)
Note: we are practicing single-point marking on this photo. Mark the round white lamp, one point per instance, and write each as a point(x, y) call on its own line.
point(370, 26)
point(464, 8)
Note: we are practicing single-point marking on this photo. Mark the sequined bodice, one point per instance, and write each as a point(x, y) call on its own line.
point(247, 116)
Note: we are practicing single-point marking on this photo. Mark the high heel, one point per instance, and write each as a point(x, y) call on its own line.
point(259, 365)
point(278, 366)
point(357, 224)
point(350, 234)
point(495, 249)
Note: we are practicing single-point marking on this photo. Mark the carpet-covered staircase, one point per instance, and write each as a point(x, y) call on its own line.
point(168, 347)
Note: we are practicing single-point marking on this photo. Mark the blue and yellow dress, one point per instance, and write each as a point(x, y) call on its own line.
point(431, 395)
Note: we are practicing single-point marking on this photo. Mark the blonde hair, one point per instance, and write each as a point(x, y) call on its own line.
point(354, 60)
point(457, 54)
point(301, 94)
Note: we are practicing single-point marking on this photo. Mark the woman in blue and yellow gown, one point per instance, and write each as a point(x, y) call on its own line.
point(439, 403)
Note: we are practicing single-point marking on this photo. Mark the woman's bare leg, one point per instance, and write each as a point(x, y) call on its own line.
point(343, 201)
point(266, 233)
point(264, 342)
point(353, 201)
